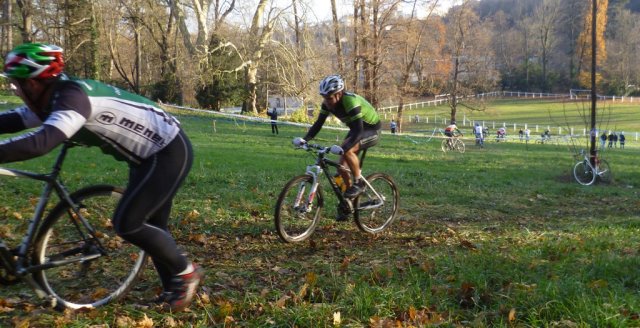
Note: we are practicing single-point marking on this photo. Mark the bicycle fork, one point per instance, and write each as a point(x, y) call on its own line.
point(302, 204)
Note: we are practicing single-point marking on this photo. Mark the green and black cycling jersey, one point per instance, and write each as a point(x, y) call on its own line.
point(353, 110)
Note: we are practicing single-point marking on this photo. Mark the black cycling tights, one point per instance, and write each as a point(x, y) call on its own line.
point(143, 213)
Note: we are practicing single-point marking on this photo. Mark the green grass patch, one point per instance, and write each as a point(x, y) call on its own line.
point(499, 237)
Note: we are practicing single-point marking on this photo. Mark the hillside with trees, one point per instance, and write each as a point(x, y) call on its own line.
point(216, 53)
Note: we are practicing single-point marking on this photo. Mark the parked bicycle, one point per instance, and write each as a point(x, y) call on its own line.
point(452, 144)
point(72, 256)
point(586, 172)
point(299, 206)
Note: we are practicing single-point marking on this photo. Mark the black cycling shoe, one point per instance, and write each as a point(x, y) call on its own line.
point(355, 190)
point(342, 214)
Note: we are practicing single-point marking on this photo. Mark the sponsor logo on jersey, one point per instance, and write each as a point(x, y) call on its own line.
point(108, 118)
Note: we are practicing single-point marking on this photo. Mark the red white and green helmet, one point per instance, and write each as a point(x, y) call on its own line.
point(34, 61)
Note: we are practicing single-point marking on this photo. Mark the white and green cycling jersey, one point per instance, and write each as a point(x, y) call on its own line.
point(123, 124)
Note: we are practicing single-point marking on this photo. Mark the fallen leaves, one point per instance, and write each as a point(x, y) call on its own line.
point(128, 322)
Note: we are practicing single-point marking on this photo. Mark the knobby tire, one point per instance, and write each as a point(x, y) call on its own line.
point(296, 220)
point(110, 265)
point(369, 215)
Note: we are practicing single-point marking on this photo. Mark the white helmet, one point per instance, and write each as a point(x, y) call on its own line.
point(331, 84)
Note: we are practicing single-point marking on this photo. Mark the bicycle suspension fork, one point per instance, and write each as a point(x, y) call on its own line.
point(314, 171)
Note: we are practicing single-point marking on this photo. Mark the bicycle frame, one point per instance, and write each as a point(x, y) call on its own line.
point(17, 262)
point(320, 166)
point(591, 161)
point(315, 170)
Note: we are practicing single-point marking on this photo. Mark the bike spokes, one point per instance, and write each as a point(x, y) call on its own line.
point(376, 207)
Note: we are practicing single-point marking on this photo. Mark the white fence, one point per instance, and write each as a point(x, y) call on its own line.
point(513, 128)
point(518, 94)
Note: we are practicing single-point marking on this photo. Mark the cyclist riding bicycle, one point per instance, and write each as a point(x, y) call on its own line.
point(127, 126)
point(452, 131)
point(500, 134)
point(363, 122)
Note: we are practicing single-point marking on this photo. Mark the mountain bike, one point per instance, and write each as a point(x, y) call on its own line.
point(452, 144)
point(586, 173)
point(299, 206)
point(72, 257)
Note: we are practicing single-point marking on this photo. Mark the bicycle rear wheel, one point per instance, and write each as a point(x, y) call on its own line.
point(583, 173)
point(298, 209)
point(604, 172)
point(91, 266)
point(375, 212)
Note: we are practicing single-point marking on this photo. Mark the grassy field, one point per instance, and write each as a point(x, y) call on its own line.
point(537, 114)
point(500, 236)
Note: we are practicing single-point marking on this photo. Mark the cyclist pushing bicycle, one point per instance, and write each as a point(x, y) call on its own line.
point(124, 125)
point(364, 130)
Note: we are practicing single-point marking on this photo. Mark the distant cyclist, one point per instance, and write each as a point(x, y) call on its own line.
point(479, 134)
point(452, 131)
point(127, 126)
point(500, 134)
point(363, 122)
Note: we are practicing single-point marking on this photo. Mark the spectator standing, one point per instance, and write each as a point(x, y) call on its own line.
point(527, 134)
point(615, 140)
point(274, 119)
point(603, 140)
point(622, 140)
point(393, 126)
point(610, 138)
point(521, 134)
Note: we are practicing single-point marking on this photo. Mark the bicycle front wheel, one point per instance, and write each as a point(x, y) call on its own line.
point(604, 172)
point(298, 209)
point(583, 173)
point(86, 265)
point(376, 208)
point(459, 145)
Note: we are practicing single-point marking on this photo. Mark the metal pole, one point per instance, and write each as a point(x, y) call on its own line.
point(594, 16)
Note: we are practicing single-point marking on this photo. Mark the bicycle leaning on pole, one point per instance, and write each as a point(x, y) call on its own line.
point(299, 206)
point(586, 173)
point(72, 256)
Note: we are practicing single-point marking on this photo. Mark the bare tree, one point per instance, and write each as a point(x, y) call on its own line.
point(473, 67)
point(259, 35)
point(546, 16)
point(336, 34)
point(623, 65)
point(372, 28)
point(414, 31)
point(6, 37)
point(26, 11)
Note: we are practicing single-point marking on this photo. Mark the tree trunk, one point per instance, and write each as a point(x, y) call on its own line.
point(7, 28)
point(26, 10)
point(260, 38)
point(336, 35)
point(356, 46)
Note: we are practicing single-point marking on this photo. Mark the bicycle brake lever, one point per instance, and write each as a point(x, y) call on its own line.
point(337, 150)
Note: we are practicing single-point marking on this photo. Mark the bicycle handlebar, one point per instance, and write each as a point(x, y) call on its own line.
point(301, 143)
